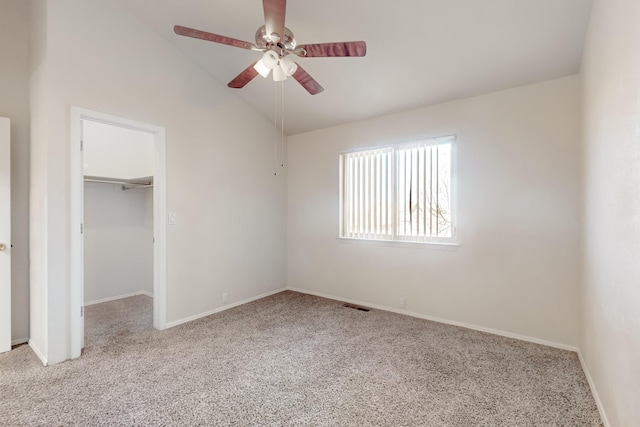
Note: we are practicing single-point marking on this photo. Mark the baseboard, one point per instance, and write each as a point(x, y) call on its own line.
point(19, 341)
point(38, 353)
point(223, 308)
point(445, 321)
point(133, 294)
point(594, 391)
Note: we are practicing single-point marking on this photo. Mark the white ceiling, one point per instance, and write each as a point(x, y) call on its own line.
point(420, 52)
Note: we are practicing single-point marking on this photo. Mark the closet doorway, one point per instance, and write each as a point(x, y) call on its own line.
point(118, 202)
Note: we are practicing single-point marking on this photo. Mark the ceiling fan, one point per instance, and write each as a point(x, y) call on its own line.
point(278, 43)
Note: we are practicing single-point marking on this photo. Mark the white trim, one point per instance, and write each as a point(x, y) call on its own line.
point(117, 297)
point(5, 235)
point(76, 293)
point(594, 391)
point(341, 195)
point(19, 341)
point(223, 308)
point(160, 231)
point(439, 320)
point(437, 140)
point(434, 245)
point(38, 353)
point(77, 207)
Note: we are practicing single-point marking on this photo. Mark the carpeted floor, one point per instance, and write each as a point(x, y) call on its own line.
point(293, 360)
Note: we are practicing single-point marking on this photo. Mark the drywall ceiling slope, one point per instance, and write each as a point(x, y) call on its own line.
point(420, 52)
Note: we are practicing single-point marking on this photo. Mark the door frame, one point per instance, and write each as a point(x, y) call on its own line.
point(76, 305)
point(5, 237)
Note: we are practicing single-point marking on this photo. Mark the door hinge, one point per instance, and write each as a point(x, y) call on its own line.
point(82, 311)
point(81, 228)
point(81, 145)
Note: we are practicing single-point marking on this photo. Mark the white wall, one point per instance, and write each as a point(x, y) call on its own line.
point(14, 104)
point(118, 241)
point(38, 168)
point(610, 303)
point(230, 235)
point(518, 183)
point(117, 152)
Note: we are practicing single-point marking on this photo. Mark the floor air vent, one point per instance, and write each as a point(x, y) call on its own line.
point(357, 307)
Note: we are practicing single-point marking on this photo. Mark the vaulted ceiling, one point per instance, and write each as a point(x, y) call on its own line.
point(420, 52)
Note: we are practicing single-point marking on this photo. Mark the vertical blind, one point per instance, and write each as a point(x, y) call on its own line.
point(400, 192)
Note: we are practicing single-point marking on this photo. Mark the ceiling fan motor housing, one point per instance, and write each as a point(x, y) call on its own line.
point(266, 41)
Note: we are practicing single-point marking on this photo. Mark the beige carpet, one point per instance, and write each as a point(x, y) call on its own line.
point(293, 360)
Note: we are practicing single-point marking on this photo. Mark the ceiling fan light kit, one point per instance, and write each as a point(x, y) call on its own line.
point(270, 59)
point(279, 75)
point(288, 66)
point(262, 69)
point(278, 42)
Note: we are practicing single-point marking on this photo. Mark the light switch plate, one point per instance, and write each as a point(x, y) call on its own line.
point(171, 218)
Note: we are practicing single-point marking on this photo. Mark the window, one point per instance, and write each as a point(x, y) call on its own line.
point(400, 192)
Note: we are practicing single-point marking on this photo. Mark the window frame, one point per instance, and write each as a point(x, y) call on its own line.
point(395, 238)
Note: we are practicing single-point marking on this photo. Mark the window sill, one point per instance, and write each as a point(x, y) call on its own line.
point(440, 246)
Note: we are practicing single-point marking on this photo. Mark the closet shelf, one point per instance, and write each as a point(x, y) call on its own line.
point(127, 184)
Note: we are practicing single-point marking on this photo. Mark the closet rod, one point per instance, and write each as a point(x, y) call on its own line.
point(135, 187)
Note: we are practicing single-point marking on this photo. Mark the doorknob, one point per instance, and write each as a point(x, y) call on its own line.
point(2, 247)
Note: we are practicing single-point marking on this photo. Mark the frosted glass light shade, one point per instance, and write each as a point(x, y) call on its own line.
point(262, 69)
point(279, 75)
point(270, 59)
point(288, 66)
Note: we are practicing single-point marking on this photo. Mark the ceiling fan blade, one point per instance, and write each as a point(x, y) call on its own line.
point(244, 77)
point(203, 35)
point(333, 49)
point(307, 82)
point(274, 13)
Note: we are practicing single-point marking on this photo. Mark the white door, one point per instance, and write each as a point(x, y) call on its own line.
point(5, 236)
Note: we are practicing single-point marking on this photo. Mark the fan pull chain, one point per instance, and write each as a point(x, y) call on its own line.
point(282, 127)
point(275, 126)
point(275, 129)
